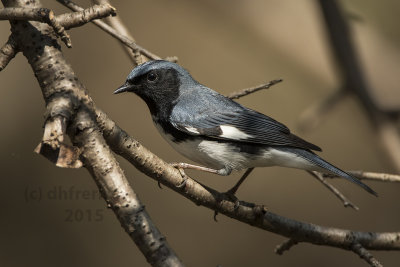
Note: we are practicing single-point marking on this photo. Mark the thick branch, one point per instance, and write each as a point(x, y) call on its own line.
point(116, 190)
point(36, 14)
point(249, 213)
point(58, 82)
point(352, 78)
point(7, 52)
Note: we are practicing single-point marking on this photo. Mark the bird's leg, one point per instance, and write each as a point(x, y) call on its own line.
point(182, 165)
point(231, 192)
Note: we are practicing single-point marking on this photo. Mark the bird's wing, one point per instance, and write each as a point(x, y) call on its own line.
point(221, 118)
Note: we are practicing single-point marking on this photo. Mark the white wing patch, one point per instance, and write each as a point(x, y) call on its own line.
point(231, 132)
point(192, 130)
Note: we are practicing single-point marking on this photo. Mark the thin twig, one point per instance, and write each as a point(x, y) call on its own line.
point(365, 255)
point(334, 190)
point(314, 114)
point(7, 52)
point(373, 176)
point(110, 30)
point(247, 91)
point(288, 244)
point(120, 27)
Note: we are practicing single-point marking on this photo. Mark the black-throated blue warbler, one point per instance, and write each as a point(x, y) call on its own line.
point(216, 131)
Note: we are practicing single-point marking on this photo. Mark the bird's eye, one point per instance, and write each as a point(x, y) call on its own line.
point(151, 77)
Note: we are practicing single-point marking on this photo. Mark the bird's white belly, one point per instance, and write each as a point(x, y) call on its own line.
point(218, 155)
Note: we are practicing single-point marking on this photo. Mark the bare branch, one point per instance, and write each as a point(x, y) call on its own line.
point(249, 213)
point(90, 126)
point(52, 145)
point(334, 190)
point(288, 244)
point(67, 99)
point(124, 39)
point(247, 91)
point(7, 52)
point(36, 14)
point(79, 18)
point(119, 26)
point(119, 195)
point(313, 115)
point(365, 255)
point(373, 176)
point(352, 78)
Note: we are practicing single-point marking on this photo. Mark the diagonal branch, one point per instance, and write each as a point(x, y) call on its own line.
point(67, 100)
point(8, 52)
point(365, 255)
point(79, 18)
point(119, 195)
point(247, 91)
point(320, 177)
point(119, 26)
point(255, 215)
point(124, 39)
point(288, 244)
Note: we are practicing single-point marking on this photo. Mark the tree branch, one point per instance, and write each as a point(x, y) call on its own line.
point(247, 91)
point(79, 18)
point(68, 101)
point(88, 126)
point(365, 255)
point(118, 25)
point(288, 244)
point(124, 39)
point(36, 14)
point(8, 52)
point(353, 80)
point(373, 176)
point(119, 195)
point(255, 215)
point(334, 190)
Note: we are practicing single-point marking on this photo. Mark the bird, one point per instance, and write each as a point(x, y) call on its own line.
point(220, 134)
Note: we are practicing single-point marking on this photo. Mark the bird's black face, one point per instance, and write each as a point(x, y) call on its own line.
point(157, 87)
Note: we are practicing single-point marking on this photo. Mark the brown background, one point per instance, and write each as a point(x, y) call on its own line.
point(226, 45)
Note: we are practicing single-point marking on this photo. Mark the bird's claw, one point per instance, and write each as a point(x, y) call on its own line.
point(231, 196)
point(179, 167)
point(183, 183)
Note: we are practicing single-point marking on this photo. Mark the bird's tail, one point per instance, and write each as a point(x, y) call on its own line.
point(316, 160)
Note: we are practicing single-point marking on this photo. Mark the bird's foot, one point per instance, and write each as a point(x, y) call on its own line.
point(180, 167)
point(230, 194)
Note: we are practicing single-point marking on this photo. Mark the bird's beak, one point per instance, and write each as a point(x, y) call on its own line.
point(123, 88)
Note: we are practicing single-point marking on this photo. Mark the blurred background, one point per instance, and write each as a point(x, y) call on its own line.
point(54, 217)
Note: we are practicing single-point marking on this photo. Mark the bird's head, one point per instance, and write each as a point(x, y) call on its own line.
point(157, 82)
